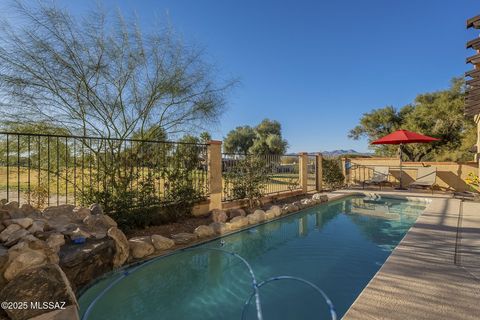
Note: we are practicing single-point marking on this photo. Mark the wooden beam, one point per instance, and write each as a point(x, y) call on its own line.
point(475, 73)
point(474, 44)
point(474, 22)
point(474, 59)
point(474, 83)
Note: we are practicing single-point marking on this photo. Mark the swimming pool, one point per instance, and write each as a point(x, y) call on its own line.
point(338, 246)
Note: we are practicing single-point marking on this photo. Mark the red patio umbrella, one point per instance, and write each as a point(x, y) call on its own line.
point(402, 137)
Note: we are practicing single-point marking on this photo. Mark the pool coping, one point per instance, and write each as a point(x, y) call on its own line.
point(419, 279)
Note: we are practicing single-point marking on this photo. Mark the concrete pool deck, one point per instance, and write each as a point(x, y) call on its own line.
point(420, 279)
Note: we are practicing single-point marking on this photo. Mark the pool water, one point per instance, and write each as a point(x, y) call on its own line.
point(338, 246)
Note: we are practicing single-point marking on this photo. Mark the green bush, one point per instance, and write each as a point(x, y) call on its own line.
point(333, 177)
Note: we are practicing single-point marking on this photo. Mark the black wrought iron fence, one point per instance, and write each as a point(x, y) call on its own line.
point(271, 174)
point(45, 170)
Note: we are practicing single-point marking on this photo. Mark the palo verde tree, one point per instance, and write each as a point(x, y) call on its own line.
point(438, 114)
point(102, 75)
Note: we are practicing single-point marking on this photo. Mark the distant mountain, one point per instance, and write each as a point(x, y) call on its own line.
point(341, 152)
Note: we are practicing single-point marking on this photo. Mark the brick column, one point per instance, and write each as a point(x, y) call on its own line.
point(303, 170)
point(478, 143)
point(319, 172)
point(215, 173)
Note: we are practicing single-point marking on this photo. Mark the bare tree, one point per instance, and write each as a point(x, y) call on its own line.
point(101, 75)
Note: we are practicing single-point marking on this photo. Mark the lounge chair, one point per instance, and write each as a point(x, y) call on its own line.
point(380, 176)
point(426, 178)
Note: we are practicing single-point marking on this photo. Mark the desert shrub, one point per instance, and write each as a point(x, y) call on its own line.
point(333, 177)
point(247, 179)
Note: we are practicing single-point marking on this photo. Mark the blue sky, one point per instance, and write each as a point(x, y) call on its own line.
point(314, 65)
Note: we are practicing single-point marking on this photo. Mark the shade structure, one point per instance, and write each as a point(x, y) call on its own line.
point(402, 137)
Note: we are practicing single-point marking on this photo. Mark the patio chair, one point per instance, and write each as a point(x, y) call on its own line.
point(380, 176)
point(426, 178)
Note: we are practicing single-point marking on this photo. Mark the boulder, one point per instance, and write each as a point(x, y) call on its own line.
point(68, 313)
point(4, 215)
point(307, 202)
point(15, 237)
point(2, 227)
point(277, 211)
point(56, 211)
point(8, 231)
point(269, 214)
point(141, 247)
point(161, 242)
point(220, 227)
point(219, 216)
point(99, 221)
point(318, 197)
point(23, 259)
point(122, 247)
point(256, 217)
point(22, 222)
point(85, 262)
point(96, 209)
point(79, 232)
point(55, 241)
point(13, 210)
point(80, 213)
point(204, 231)
point(239, 222)
point(232, 213)
point(3, 266)
point(37, 226)
point(30, 211)
point(41, 284)
point(184, 237)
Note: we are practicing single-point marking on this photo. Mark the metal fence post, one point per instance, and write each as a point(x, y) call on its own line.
point(319, 173)
point(303, 170)
point(215, 173)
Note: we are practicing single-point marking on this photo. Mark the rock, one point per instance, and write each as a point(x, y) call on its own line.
point(61, 210)
point(4, 215)
point(161, 242)
point(204, 231)
point(184, 237)
point(276, 210)
point(42, 284)
point(96, 209)
point(3, 265)
point(80, 213)
point(256, 217)
point(29, 211)
point(307, 202)
point(22, 222)
point(122, 247)
point(37, 226)
point(23, 259)
point(141, 247)
point(232, 213)
point(13, 210)
point(3, 201)
point(55, 241)
point(101, 221)
point(79, 232)
point(2, 227)
point(269, 214)
point(219, 216)
point(239, 222)
point(69, 313)
point(15, 237)
point(220, 227)
point(8, 231)
point(320, 197)
point(85, 262)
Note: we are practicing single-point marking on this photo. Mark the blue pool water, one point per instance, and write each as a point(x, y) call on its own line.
point(338, 246)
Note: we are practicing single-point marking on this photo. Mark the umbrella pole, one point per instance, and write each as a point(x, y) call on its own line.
point(401, 169)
